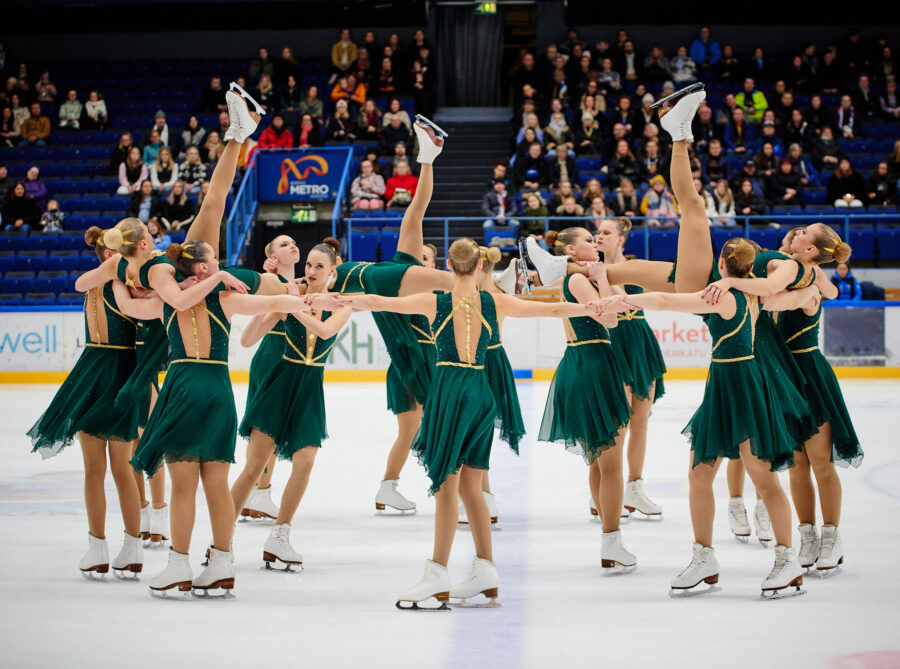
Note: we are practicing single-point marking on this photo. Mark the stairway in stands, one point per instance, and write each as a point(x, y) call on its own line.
point(461, 175)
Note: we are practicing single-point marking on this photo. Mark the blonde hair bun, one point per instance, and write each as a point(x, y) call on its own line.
point(113, 239)
point(92, 235)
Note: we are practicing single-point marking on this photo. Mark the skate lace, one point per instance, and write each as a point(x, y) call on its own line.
point(739, 513)
point(780, 561)
point(827, 544)
point(695, 566)
point(762, 518)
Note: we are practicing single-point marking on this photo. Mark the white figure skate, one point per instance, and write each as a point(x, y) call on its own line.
point(430, 146)
point(595, 514)
point(95, 562)
point(177, 574)
point(763, 524)
point(260, 506)
point(809, 547)
point(786, 573)
point(218, 576)
point(614, 557)
point(130, 559)
point(482, 580)
point(389, 496)
point(831, 554)
point(636, 500)
point(704, 568)
point(507, 279)
point(433, 588)
point(145, 522)
point(491, 502)
point(278, 549)
point(242, 122)
point(159, 527)
point(737, 518)
point(676, 111)
point(550, 268)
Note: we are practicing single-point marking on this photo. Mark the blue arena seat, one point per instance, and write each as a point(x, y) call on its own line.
point(663, 244)
point(862, 241)
point(10, 299)
point(13, 240)
point(364, 244)
point(390, 237)
point(71, 240)
point(768, 238)
point(63, 261)
point(40, 299)
point(7, 261)
point(722, 235)
point(42, 241)
point(70, 298)
point(51, 282)
point(17, 282)
point(89, 260)
point(30, 261)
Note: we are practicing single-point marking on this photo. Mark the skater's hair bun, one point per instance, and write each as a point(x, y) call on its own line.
point(328, 250)
point(333, 243)
point(185, 256)
point(464, 255)
point(739, 255)
point(126, 236)
point(113, 239)
point(558, 241)
point(93, 236)
point(490, 256)
point(831, 248)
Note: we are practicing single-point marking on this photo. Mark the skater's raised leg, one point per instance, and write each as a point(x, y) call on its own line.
point(695, 251)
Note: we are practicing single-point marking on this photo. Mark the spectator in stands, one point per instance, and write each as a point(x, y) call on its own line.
point(160, 241)
point(783, 109)
point(52, 219)
point(651, 162)
point(847, 119)
point(893, 161)
point(785, 186)
point(592, 189)
point(291, 97)
point(864, 100)
point(797, 130)
point(343, 53)
point(392, 133)
point(846, 187)
point(884, 66)
point(341, 128)
point(10, 130)
point(849, 289)
point(531, 123)
point(36, 128)
point(400, 154)
point(265, 93)
point(568, 209)
point(308, 134)
point(163, 171)
point(192, 171)
point(767, 136)
point(423, 84)
point(739, 133)
point(95, 113)
point(803, 166)
point(347, 89)
point(564, 190)
point(120, 153)
point(401, 187)
point(212, 100)
point(629, 62)
point(367, 189)
point(159, 124)
point(499, 206)
point(144, 203)
point(70, 111)
point(285, 67)
point(277, 135)
point(818, 116)
point(588, 137)
point(395, 108)
point(720, 206)
point(752, 101)
point(704, 129)
point(35, 186)
point(682, 67)
point(799, 77)
point(882, 187)
point(729, 66)
point(656, 65)
point(536, 211)
point(827, 152)
point(45, 89)
point(20, 212)
point(151, 149)
point(598, 211)
point(386, 84)
point(177, 210)
point(193, 135)
point(500, 172)
point(562, 166)
point(828, 74)
point(624, 201)
point(557, 133)
point(529, 74)
point(747, 202)
point(368, 121)
point(658, 205)
point(889, 102)
point(5, 184)
point(368, 42)
point(362, 67)
point(262, 64)
point(714, 164)
point(20, 110)
point(623, 164)
point(624, 114)
point(132, 172)
point(705, 51)
point(750, 173)
point(608, 79)
point(312, 104)
point(530, 172)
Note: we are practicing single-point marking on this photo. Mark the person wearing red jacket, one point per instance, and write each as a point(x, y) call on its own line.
point(276, 136)
point(401, 187)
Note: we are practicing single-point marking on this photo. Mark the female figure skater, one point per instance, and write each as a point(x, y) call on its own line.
point(502, 383)
point(740, 417)
point(197, 384)
point(588, 407)
point(454, 442)
point(282, 255)
point(287, 414)
point(643, 369)
point(85, 405)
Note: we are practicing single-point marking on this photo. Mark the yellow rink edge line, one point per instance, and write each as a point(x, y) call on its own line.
point(379, 375)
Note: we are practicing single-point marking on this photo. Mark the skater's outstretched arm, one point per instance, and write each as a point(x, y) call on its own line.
point(774, 282)
point(98, 276)
point(828, 290)
point(258, 327)
point(513, 307)
point(144, 309)
point(420, 303)
point(327, 328)
point(691, 303)
point(788, 300)
point(162, 280)
point(251, 305)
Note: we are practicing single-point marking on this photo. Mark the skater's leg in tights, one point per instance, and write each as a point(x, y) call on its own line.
point(424, 280)
point(158, 488)
point(637, 436)
point(734, 472)
point(259, 450)
point(302, 461)
point(651, 275)
point(818, 450)
point(476, 511)
point(702, 500)
point(695, 251)
point(123, 475)
point(407, 426)
point(612, 491)
point(486, 482)
point(594, 485)
point(768, 487)
point(218, 499)
point(803, 494)
point(446, 518)
point(139, 475)
point(411, 238)
point(265, 479)
point(184, 476)
point(94, 452)
point(208, 222)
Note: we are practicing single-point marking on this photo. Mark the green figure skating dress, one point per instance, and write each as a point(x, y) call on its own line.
point(643, 365)
point(781, 369)
point(194, 419)
point(503, 384)
point(290, 404)
point(409, 375)
point(152, 353)
point(267, 355)
point(738, 402)
point(801, 333)
point(587, 406)
point(86, 400)
point(458, 424)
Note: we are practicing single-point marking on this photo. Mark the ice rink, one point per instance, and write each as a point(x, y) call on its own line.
point(557, 608)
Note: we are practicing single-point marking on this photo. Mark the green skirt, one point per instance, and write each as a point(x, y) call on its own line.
point(152, 353)
point(787, 381)
point(290, 408)
point(827, 403)
point(86, 403)
point(503, 384)
point(194, 419)
point(643, 364)
point(268, 355)
point(404, 391)
point(739, 404)
point(458, 425)
point(587, 406)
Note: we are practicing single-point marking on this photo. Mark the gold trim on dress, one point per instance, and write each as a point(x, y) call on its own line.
point(361, 267)
point(276, 332)
point(631, 315)
point(121, 348)
point(737, 329)
point(459, 364)
point(746, 357)
point(588, 341)
point(806, 329)
point(493, 346)
point(117, 312)
point(206, 361)
point(304, 362)
point(213, 316)
point(805, 350)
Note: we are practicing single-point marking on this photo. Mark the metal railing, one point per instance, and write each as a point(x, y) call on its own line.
point(243, 211)
point(744, 226)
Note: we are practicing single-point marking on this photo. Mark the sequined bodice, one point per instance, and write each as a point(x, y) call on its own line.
point(582, 329)
point(480, 326)
point(205, 320)
point(733, 337)
point(104, 324)
point(800, 330)
point(304, 347)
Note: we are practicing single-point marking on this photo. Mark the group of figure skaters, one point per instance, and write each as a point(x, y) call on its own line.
point(771, 400)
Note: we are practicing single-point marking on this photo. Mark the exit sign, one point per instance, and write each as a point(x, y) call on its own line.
point(304, 214)
point(485, 7)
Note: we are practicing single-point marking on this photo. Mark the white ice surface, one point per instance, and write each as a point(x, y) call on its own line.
point(557, 610)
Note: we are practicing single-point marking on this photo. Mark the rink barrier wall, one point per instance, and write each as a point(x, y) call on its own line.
point(41, 345)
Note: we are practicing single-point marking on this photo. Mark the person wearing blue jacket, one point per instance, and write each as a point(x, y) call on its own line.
point(847, 285)
point(705, 51)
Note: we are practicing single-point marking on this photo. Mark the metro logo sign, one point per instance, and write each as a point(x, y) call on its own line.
point(315, 164)
point(301, 176)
